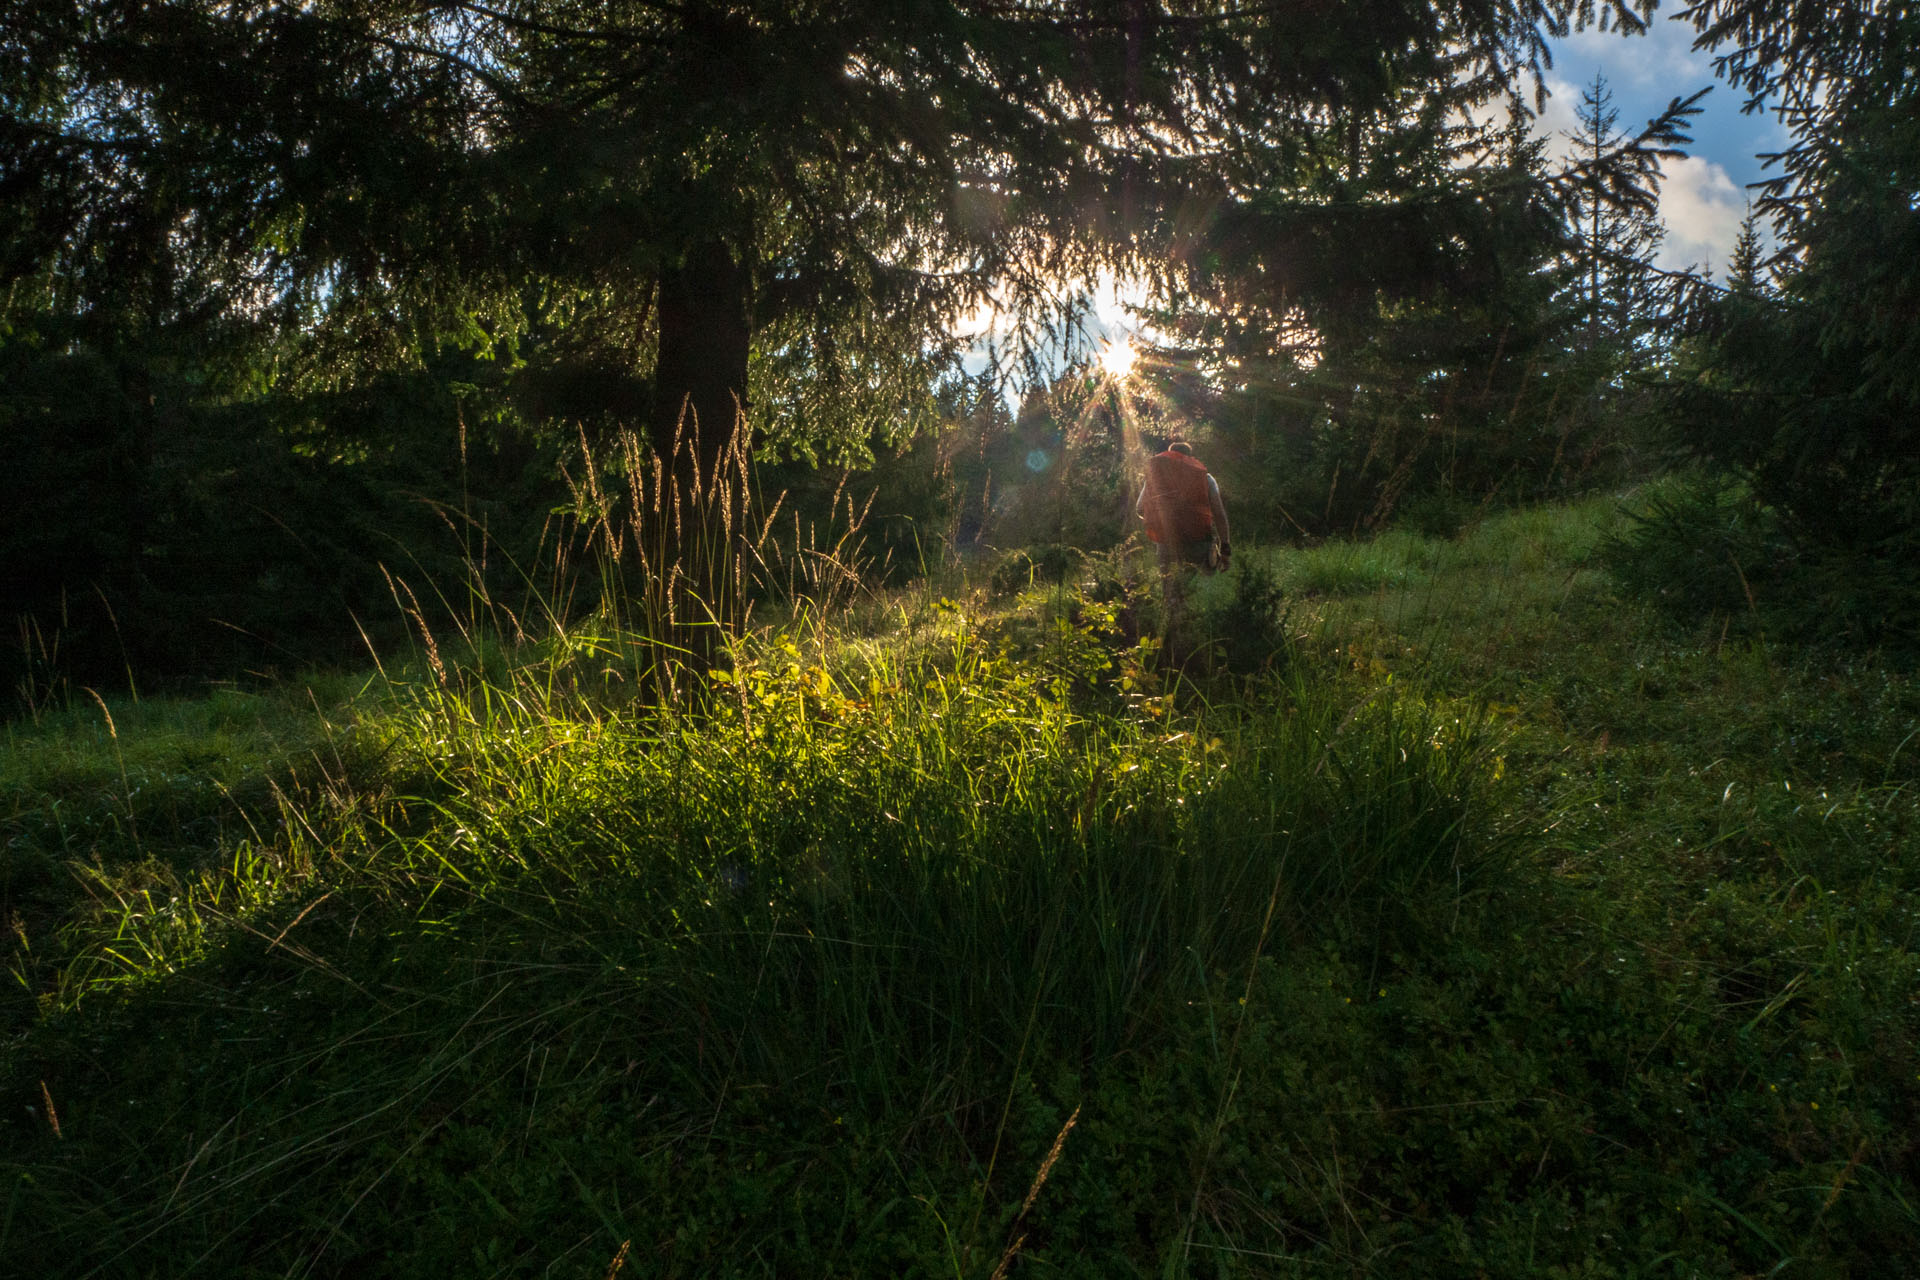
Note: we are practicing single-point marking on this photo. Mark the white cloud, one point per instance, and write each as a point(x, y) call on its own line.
point(1559, 118)
point(1703, 209)
point(1662, 61)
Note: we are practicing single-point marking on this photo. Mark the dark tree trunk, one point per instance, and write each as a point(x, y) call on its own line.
point(700, 378)
point(696, 430)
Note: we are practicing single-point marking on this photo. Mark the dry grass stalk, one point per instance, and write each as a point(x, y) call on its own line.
point(53, 1116)
point(1019, 1237)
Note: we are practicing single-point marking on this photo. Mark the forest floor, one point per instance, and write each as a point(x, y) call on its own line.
point(1441, 913)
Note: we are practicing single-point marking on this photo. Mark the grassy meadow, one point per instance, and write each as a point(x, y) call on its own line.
point(1422, 907)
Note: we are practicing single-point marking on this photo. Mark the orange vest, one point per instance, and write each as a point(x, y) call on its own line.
point(1177, 507)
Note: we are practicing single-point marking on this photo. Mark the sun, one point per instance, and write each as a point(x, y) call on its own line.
point(1117, 360)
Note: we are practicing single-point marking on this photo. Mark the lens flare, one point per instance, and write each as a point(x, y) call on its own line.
point(1118, 359)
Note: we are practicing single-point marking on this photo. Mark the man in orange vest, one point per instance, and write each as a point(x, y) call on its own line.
point(1181, 504)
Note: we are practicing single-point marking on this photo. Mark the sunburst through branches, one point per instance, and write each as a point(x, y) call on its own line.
point(1138, 408)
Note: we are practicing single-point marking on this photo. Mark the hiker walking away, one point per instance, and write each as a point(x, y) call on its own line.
point(1181, 504)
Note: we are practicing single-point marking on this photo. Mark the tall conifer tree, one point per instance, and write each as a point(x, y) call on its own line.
point(1615, 240)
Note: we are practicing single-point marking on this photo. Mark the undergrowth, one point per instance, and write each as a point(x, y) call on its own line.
point(1463, 922)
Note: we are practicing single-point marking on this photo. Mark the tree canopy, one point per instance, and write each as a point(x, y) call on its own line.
point(673, 184)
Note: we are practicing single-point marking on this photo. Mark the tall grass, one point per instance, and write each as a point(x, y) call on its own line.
point(960, 816)
point(886, 886)
point(684, 545)
point(821, 964)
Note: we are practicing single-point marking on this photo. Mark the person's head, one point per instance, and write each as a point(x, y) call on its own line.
point(1180, 446)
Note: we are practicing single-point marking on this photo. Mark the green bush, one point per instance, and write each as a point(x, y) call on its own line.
point(1025, 567)
point(1699, 547)
point(1243, 615)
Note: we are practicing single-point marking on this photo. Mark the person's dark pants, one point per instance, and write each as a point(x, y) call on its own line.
point(1178, 563)
point(1198, 552)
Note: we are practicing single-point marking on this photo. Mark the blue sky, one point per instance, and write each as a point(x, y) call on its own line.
point(1703, 197)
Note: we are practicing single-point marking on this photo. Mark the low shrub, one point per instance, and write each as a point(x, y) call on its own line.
point(1243, 616)
point(1700, 548)
point(1024, 567)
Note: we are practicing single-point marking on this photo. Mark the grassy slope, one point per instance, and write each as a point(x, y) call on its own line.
point(1497, 931)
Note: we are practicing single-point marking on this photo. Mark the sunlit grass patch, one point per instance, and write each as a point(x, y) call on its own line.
point(85, 744)
point(885, 887)
point(110, 807)
point(1354, 568)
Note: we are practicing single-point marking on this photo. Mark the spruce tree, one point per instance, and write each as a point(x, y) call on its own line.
point(1808, 389)
point(1748, 260)
point(1615, 240)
